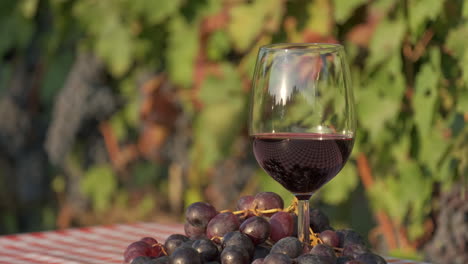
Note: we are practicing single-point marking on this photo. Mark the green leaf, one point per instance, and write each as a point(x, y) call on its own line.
point(192, 195)
point(49, 217)
point(425, 96)
point(463, 65)
point(408, 192)
point(401, 148)
point(338, 189)
point(58, 184)
point(182, 51)
point(456, 40)
point(212, 145)
point(131, 113)
point(343, 9)
point(414, 187)
point(146, 205)
point(383, 5)
point(99, 183)
point(389, 72)
point(55, 76)
point(384, 195)
point(145, 173)
point(422, 11)
point(154, 11)
point(218, 45)
point(374, 111)
point(15, 31)
point(465, 10)
point(119, 126)
point(462, 102)
point(386, 41)
point(415, 191)
point(218, 89)
point(29, 7)
point(446, 171)
point(115, 45)
point(248, 20)
point(456, 43)
point(247, 64)
point(210, 7)
point(319, 20)
point(432, 140)
point(110, 34)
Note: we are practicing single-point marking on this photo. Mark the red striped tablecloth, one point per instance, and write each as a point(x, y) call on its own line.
point(91, 245)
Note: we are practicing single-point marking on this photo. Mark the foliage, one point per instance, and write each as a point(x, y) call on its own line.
point(172, 60)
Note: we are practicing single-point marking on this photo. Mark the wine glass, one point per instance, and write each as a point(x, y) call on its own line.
point(302, 118)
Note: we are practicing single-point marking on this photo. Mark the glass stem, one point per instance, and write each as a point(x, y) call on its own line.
point(303, 221)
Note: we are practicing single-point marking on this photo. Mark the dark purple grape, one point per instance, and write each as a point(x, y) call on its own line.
point(141, 260)
point(207, 249)
point(290, 246)
point(353, 250)
point(330, 238)
point(245, 202)
point(173, 242)
point(235, 255)
point(312, 259)
point(353, 261)
point(370, 258)
point(318, 220)
point(236, 238)
point(258, 261)
point(257, 228)
point(268, 200)
point(261, 251)
point(277, 258)
point(156, 249)
point(161, 260)
point(149, 240)
point(222, 224)
point(343, 259)
point(199, 214)
point(188, 243)
point(193, 231)
point(324, 251)
point(348, 236)
point(282, 225)
point(198, 237)
point(185, 255)
point(136, 249)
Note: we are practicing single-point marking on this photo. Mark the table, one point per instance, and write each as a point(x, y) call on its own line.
point(90, 245)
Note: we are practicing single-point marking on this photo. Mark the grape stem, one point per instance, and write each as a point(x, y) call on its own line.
point(314, 238)
point(216, 238)
point(292, 208)
point(163, 250)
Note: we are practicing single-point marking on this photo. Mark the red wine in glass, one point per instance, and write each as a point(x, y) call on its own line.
point(302, 163)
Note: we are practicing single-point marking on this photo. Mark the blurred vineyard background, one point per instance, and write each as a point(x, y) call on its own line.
point(128, 110)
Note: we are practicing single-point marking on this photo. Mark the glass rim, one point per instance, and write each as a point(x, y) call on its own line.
point(303, 47)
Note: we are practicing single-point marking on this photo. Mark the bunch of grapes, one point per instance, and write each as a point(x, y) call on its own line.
point(261, 231)
point(449, 243)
